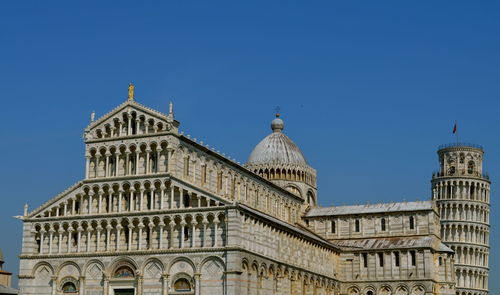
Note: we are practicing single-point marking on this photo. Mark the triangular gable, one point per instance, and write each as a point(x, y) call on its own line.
point(68, 193)
point(132, 105)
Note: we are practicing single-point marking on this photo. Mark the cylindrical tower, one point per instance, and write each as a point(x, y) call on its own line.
point(462, 193)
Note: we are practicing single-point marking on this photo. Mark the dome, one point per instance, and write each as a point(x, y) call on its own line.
point(276, 148)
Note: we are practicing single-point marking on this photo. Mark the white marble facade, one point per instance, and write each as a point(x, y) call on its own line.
point(161, 213)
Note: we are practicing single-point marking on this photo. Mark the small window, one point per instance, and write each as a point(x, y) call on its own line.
point(186, 166)
point(219, 181)
point(204, 174)
point(182, 285)
point(413, 258)
point(412, 222)
point(396, 258)
point(333, 227)
point(382, 224)
point(356, 226)
point(369, 293)
point(440, 260)
point(381, 259)
point(365, 260)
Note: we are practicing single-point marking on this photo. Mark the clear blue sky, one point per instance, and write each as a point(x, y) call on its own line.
point(368, 89)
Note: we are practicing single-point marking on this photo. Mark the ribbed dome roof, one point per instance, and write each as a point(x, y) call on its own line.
point(276, 148)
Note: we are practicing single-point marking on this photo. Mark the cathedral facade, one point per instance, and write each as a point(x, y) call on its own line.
point(161, 213)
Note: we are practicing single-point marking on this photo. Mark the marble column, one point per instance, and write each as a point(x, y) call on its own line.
point(118, 231)
point(197, 278)
point(165, 286)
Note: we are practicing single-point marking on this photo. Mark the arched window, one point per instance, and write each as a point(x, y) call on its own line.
point(333, 227)
point(369, 293)
point(69, 287)
point(356, 226)
point(124, 272)
point(382, 224)
point(451, 170)
point(182, 285)
point(470, 167)
point(412, 222)
point(310, 199)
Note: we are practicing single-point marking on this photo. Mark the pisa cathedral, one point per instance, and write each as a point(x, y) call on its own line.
point(162, 213)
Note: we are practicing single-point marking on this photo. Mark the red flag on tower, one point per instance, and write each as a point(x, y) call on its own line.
point(455, 128)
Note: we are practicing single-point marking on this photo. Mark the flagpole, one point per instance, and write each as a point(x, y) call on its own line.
point(456, 132)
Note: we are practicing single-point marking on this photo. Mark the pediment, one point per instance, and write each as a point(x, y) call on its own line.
point(142, 120)
point(56, 201)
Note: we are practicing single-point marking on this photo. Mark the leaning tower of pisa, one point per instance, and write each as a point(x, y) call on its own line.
point(462, 193)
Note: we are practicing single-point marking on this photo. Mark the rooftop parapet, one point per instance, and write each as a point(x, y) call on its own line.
point(459, 145)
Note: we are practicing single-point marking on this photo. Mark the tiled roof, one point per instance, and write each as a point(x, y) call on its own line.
point(288, 226)
point(394, 243)
point(371, 208)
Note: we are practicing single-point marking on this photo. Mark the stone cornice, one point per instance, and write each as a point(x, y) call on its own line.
point(459, 177)
point(461, 202)
point(128, 253)
point(471, 267)
point(464, 222)
point(106, 180)
point(466, 244)
point(400, 280)
point(131, 214)
point(112, 140)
